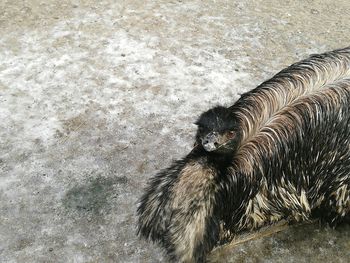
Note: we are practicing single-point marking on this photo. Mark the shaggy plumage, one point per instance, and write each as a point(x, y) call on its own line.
point(282, 151)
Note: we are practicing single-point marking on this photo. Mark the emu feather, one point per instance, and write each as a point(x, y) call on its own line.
point(281, 152)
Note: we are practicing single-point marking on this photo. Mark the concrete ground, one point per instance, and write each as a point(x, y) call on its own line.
point(96, 96)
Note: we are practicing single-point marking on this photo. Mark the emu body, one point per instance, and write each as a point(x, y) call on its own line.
point(282, 151)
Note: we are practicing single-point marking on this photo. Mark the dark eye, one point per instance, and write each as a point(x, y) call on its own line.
point(231, 134)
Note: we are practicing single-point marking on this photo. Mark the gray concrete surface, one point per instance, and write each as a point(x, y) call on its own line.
point(96, 96)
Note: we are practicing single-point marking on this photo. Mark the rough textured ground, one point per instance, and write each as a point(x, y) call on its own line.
point(96, 96)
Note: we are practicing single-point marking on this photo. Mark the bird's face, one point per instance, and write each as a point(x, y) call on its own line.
point(215, 140)
point(217, 131)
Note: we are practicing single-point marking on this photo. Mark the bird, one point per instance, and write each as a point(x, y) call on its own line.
point(280, 152)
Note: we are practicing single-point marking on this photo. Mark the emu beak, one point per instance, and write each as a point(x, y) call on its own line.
point(211, 141)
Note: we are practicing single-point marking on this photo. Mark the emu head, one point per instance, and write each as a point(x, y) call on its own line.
point(218, 130)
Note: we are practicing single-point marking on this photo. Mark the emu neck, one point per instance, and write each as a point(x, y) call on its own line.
point(220, 161)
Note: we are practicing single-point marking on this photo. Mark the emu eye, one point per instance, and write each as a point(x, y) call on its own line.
point(231, 134)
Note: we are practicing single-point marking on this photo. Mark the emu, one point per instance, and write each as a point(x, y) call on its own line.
point(282, 151)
